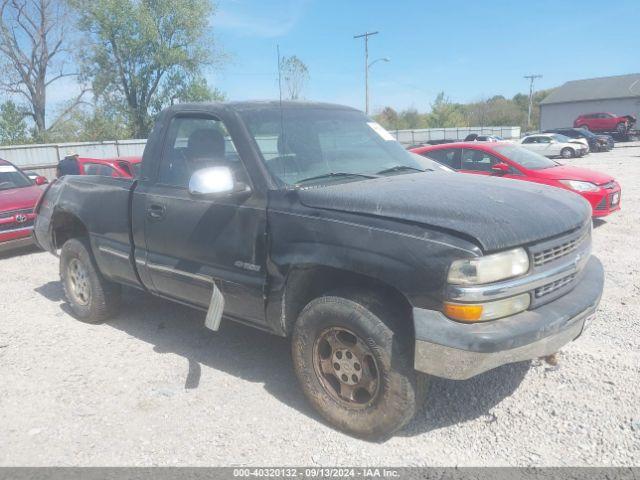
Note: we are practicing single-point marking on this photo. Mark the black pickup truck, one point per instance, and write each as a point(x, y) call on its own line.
point(310, 221)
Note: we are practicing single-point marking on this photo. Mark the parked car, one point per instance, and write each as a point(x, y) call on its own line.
point(597, 143)
point(18, 196)
point(554, 145)
point(512, 161)
point(474, 137)
point(605, 122)
point(120, 167)
point(311, 221)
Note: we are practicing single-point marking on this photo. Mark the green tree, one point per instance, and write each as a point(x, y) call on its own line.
point(142, 55)
point(295, 75)
point(444, 113)
point(13, 128)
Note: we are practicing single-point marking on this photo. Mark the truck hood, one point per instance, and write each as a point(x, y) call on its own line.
point(19, 198)
point(497, 213)
point(569, 172)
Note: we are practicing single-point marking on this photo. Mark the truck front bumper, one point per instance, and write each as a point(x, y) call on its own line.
point(454, 350)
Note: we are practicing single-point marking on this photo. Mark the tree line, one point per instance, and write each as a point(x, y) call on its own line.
point(494, 111)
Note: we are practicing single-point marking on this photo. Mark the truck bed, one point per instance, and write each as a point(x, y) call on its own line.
point(106, 213)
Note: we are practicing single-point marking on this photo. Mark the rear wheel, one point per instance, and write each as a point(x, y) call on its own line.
point(585, 127)
point(92, 298)
point(567, 153)
point(353, 359)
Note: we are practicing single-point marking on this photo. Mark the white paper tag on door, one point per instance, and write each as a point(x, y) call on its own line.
point(216, 307)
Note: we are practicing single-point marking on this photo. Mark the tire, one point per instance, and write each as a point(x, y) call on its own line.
point(92, 298)
point(586, 127)
point(567, 152)
point(621, 128)
point(384, 351)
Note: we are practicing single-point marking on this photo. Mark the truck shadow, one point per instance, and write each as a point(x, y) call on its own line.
point(259, 357)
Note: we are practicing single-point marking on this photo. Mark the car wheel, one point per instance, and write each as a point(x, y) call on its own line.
point(355, 365)
point(621, 128)
point(567, 153)
point(586, 127)
point(92, 298)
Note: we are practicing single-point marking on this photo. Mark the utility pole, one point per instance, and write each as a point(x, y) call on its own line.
point(531, 77)
point(366, 36)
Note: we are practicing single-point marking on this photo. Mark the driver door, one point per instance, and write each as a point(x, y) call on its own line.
point(193, 241)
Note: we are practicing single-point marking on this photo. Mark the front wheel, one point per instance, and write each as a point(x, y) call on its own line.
point(353, 359)
point(92, 298)
point(621, 128)
point(567, 153)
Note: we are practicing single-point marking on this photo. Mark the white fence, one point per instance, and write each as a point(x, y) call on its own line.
point(44, 158)
point(417, 137)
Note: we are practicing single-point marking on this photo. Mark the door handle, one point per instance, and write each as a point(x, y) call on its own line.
point(156, 212)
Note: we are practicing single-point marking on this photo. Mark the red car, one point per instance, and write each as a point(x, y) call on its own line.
point(605, 122)
point(126, 167)
point(512, 161)
point(18, 196)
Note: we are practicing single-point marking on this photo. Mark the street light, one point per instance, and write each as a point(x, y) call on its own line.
point(366, 87)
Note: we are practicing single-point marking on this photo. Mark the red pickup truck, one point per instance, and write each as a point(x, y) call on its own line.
point(18, 196)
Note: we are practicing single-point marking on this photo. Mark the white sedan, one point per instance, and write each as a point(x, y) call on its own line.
point(554, 145)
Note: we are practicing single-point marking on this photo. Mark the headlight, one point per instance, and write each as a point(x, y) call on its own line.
point(580, 186)
point(482, 312)
point(491, 268)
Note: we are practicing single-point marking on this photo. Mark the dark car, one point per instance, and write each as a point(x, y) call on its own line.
point(310, 221)
point(597, 143)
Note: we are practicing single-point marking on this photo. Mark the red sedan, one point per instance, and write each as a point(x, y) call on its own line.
point(18, 196)
point(511, 161)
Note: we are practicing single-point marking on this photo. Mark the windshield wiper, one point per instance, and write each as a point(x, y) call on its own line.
point(399, 168)
point(334, 174)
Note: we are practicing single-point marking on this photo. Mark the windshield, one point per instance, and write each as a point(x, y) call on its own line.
point(11, 177)
point(524, 157)
point(314, 144)
point(585, 133)
point(561, 138)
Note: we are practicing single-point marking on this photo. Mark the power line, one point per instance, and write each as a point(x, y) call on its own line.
point(366, 36)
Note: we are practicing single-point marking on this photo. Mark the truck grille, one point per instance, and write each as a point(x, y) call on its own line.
point(553, 286)
point(11, 213)
point(558, 251)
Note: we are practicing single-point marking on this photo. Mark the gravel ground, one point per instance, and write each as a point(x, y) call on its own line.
point(154, 387)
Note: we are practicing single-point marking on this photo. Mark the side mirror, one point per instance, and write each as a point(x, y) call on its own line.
point(500, 169)
point(40, 180)
point(215, 181)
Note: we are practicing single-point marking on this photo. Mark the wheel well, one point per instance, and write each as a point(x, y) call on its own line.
point(66, 226)
point(307, 283)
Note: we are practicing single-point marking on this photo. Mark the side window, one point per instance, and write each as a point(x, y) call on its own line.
point(447, 156)
point(478, 160)
point(99, 169)
point(193, 143)
point(544, 140)
point(529, 140)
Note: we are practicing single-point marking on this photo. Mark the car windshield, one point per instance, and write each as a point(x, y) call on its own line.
point(322, 145)
point(585, 133)
point(524, 157)
point(11, 177)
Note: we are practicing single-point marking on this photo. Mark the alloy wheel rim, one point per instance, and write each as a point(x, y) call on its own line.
point(346, 367)
point(79, 282)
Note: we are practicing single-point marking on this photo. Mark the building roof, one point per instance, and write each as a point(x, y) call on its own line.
point(603, 88)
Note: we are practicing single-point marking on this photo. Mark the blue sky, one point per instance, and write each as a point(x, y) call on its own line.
point(470, 50)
